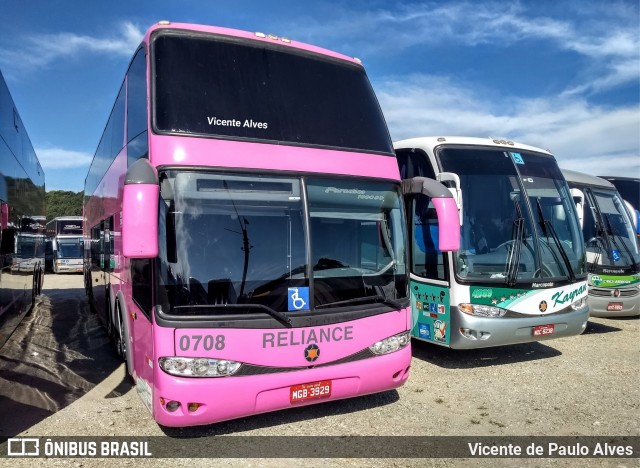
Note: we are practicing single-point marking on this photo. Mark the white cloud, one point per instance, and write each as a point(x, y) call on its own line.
point(40, 50)
point(606, 35)
point(583, 137)
point(59, 158)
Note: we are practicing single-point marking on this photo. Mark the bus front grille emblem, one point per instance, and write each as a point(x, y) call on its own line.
point(543, 306)
point(312, 353)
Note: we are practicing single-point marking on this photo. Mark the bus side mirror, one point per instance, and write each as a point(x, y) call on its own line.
point(633, 214)
point(578, 199)
point(446, 209)
point(140, 211)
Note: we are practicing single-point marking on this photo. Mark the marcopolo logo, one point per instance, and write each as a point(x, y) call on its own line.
point(312, 352)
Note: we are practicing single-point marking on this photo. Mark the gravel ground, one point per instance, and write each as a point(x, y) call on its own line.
point(583, 386)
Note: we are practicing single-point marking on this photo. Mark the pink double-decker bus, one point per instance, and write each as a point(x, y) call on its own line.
point(244, 227)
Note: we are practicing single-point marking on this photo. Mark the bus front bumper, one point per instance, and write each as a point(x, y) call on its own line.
point(69, 269)
point(470, 332)
point(625, 306)
point(227, 398)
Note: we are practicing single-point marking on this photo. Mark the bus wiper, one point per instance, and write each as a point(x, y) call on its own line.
point(513, 264)
point(246, 245)
point(547, 227)
point(258, 307)
point(612, 236)
point(357, 300)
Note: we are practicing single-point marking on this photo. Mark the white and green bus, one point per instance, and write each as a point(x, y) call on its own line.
point(613, 259)
point(520, 274)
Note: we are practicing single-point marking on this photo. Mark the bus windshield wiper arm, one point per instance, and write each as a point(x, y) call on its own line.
point(548, 228)
point(258, 307)
point(513, 265)
point(357, 300)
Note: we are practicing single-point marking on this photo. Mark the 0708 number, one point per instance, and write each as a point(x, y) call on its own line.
point(208, 342)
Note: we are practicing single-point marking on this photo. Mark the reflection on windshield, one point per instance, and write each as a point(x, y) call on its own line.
point(231, 240)
point(235, 239)
point(608, 231)
point(511, 216)
point(357, 239)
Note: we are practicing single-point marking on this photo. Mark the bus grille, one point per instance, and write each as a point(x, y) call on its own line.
point(600, 292)
point(252, 369)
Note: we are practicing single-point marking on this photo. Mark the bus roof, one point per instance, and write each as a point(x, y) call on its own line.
point(255, 36)
point(431, 142)
point(575, 177)
point(632, 179)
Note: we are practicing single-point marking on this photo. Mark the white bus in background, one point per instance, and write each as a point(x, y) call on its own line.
point(613, 257)
point(520, 274)
point(29, 246)
point(65, 235)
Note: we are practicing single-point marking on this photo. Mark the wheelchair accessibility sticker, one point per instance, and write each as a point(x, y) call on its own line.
point(517, 158)
point(615, 253)
point(299, 298)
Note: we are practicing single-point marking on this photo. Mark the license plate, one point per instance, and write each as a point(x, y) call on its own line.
point(310, 391)
point(542, 330)
point(614, 306)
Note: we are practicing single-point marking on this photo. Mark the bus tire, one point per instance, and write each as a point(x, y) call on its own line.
point(121, 346)
point(33, 288)
point(40, 280)
point(109, 324)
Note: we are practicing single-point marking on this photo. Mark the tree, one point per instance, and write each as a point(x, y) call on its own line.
point(63, 203)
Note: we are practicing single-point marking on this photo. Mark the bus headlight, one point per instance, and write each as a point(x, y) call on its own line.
point(198, 367)
point(579, 304)
point(481, 310)
point(391, 344)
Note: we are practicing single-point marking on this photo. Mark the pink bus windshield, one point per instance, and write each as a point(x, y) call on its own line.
point(228, 240)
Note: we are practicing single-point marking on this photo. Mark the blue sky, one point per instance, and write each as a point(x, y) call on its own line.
point(562, 75)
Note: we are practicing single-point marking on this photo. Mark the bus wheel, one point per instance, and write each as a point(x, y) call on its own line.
point(33, 287)
point(40, 281)
point(121, 345)
point(109, 327)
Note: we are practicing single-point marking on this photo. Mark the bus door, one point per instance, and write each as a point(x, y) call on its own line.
point(98, 274)
point(430, 286)
point(140, 329)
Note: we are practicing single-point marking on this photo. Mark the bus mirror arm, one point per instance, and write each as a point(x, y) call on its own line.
point(578, 199)
point(140, 200)
point(447, 209)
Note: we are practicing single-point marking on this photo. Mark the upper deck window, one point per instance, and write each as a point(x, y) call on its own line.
point(221, 87)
